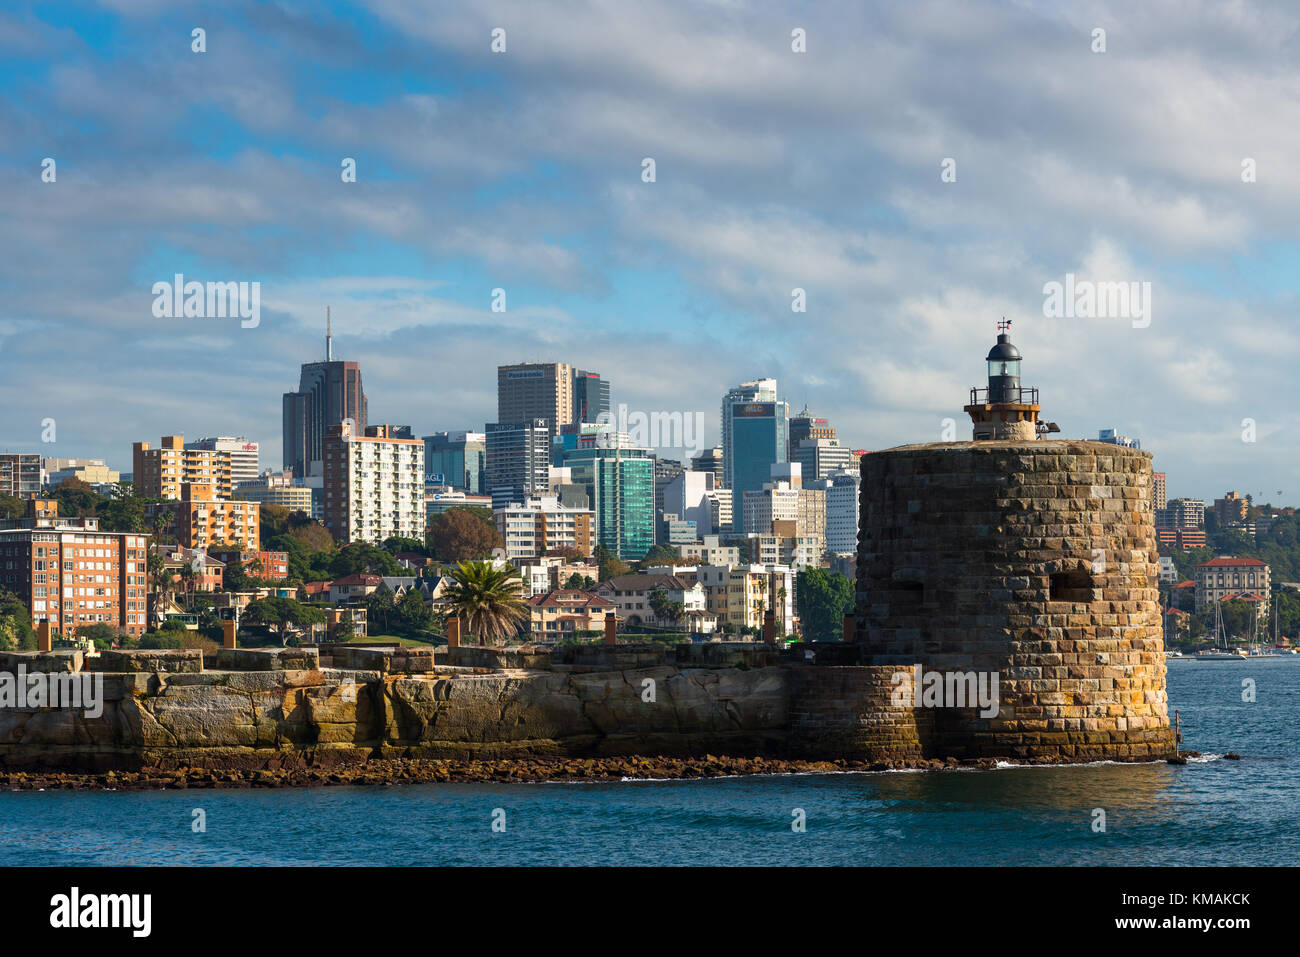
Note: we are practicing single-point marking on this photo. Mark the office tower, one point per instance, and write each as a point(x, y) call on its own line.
point(458, 459)
point(20, 474)
point(842, 512)
point(536, 390)
point(620, 485)
point(244, 466)
point(517, 459)
point(665, 471)
point(163, 472)
point(755, 435)
point(374, 484)
point(688, 497)
point(70, 573)
point(590, 396)
point(820, 457)
point(710, 460)
point(807, 426)
point(329, 393)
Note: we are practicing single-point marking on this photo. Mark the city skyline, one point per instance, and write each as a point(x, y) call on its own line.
point(478, 171)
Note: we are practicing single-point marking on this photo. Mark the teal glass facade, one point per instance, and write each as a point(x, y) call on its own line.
point(621, 485)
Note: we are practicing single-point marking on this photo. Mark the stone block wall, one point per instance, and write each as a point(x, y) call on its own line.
point(1035, 560)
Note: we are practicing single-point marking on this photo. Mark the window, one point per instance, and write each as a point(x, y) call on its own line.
point(1072, 586)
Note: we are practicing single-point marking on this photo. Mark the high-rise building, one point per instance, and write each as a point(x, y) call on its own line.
point(687, 496)
point(1231, 509)
point(374, 484)
point(755, 436)
point(620, 485)
point(710, 460)
point(590, 396)
point(201, 518)
point(842, 512)
point(807, 426)
point(162, 472)
point(1111, 437)
point(458, 460)
point(20, 474)
point(517, 460)
point(820, 457)
point(665, 471)
point(1158, 489)
point(244, 465)
point(536, 390)
point(329, 393)
point(70, 573)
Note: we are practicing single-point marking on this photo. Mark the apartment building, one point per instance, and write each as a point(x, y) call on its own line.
point(632, 597)
point(161, 472)
point(71, 574)
point(741, 595)
point(201, 519)
point(374, 484)
point(1225, 578)
point(541, 524)
point(244, 457)
point(264, 491)
point(20, 474)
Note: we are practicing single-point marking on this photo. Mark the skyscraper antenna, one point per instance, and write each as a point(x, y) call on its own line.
point(329, 337)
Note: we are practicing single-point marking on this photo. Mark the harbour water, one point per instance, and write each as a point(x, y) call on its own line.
point(1211, 811)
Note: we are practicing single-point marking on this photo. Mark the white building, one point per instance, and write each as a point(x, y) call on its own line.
point(374, 484)
point(243, 455)
point(842, 512)
point(541, 524)
point(820, 457)
point(688, 497)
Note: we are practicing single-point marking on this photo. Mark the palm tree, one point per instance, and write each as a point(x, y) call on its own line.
point(488, 599)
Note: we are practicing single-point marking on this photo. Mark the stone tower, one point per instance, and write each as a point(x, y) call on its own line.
point(1030, 559)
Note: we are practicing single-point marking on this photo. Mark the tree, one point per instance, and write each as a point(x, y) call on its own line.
point(825, 597)
point(487, 599)
point(414, 613)
point(659, 555)
point(666, 610)
point(396, 544)
point(611, 566)
point(462, 534)
point(578, 582)
point(282, 614)
point(379, 608)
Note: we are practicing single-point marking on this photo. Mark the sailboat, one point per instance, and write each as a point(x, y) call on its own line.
point(1221, 654)
point(1257, 650)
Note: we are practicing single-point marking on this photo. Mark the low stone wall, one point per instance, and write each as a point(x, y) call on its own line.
point(169, 660)
point(268, 659)
point(385, 660)
point(526, 657)
point(839, 711)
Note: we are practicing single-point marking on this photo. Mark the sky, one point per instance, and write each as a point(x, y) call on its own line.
point(919, 170)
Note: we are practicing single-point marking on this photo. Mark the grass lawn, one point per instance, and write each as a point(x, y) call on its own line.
point(388, 639)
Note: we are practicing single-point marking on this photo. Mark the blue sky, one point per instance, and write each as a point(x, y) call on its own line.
point(775, 169)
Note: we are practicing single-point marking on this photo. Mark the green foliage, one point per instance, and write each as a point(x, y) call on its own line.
point(161, 639)
point(825, 597)
point(281, 614)
point(396, 543)
point(463, 533)
point(660, 555)
point(578, 582)
point(489, 600)
point(611, 566)
point(16, 632)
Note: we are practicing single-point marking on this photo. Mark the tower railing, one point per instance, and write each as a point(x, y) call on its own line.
point(1023, 396)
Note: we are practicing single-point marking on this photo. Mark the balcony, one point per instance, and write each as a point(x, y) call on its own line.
point(1019, 395)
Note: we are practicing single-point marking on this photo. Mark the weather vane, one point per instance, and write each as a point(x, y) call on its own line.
point(1004, 325)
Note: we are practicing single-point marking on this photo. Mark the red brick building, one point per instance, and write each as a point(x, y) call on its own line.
point(71, 574)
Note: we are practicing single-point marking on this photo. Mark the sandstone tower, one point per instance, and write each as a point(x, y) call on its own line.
point(1028, 557)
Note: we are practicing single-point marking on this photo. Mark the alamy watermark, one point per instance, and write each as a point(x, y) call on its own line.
point(214, 300)
point(84, 690)
point(919, 688)
point(1086, 299)
point(652, 430)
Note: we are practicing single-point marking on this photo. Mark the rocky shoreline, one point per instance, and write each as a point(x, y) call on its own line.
point(388, 772)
